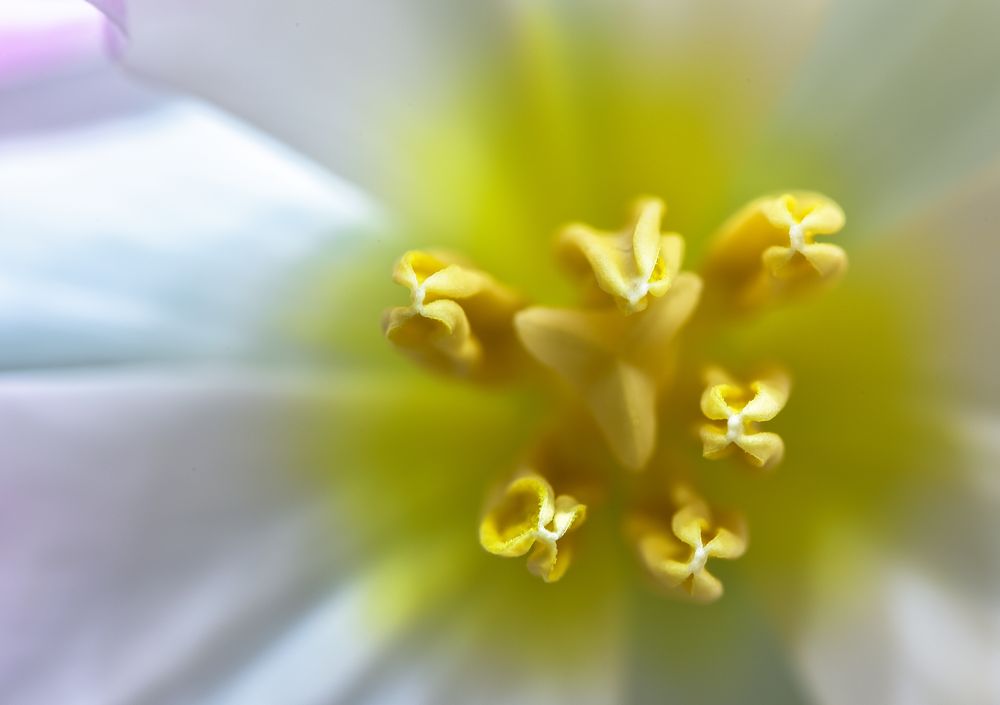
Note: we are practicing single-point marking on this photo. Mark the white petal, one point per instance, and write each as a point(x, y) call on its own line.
point(949, 248)
point(336, 650)
point(896, 102)
point(918, 622)
point(161, 544)
point(153, 537)
point(136, 225)
point(323, 76)
point(46, 39)
point(331, 78)
point(448, 656)
point(908, 640)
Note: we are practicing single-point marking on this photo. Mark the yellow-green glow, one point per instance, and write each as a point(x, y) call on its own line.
point(617, 353)
point(528, 147)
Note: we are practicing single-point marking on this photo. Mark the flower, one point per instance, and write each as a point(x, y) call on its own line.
point(563, 115)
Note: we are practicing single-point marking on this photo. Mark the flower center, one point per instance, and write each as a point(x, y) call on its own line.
point(617, 355)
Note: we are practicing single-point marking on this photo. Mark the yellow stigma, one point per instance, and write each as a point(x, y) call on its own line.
point(453, 309)
point(741, 409)
point(766, 252)
point(529, 517)
point(676, 554)
point(619, 355)
point(632, 265)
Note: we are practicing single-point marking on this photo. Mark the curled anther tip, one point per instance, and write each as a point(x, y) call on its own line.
point(632, 265)
point(528, 516)
point(767, 252)
point(676, 544)
point(735, 412)
point(458, 320)
point(804, 217)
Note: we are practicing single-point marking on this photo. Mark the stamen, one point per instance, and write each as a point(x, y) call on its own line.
point(631, 265)
point(813, 215)
point(529, 517)
point(676, 553)
point(454, 309)
point(742, 409)
point(766, 252)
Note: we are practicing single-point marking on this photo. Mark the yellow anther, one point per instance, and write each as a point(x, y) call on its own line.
point(453, 310)
point(767, 251)
point(529, 517)
point(802, 219)
point(676, 554)
point(741, 409)
point(614, 362)
point(632, 265)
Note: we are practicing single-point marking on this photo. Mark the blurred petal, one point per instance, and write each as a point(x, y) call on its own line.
point(178, 231)
point(448, 658)
point(954, 241)
point(917, 620)
point(907, 640)
point(315, 74)
point(894, 117)
point(45, 39)
point(158, 543)
point(330, 77)
point(175, 546)
point(114, 10)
